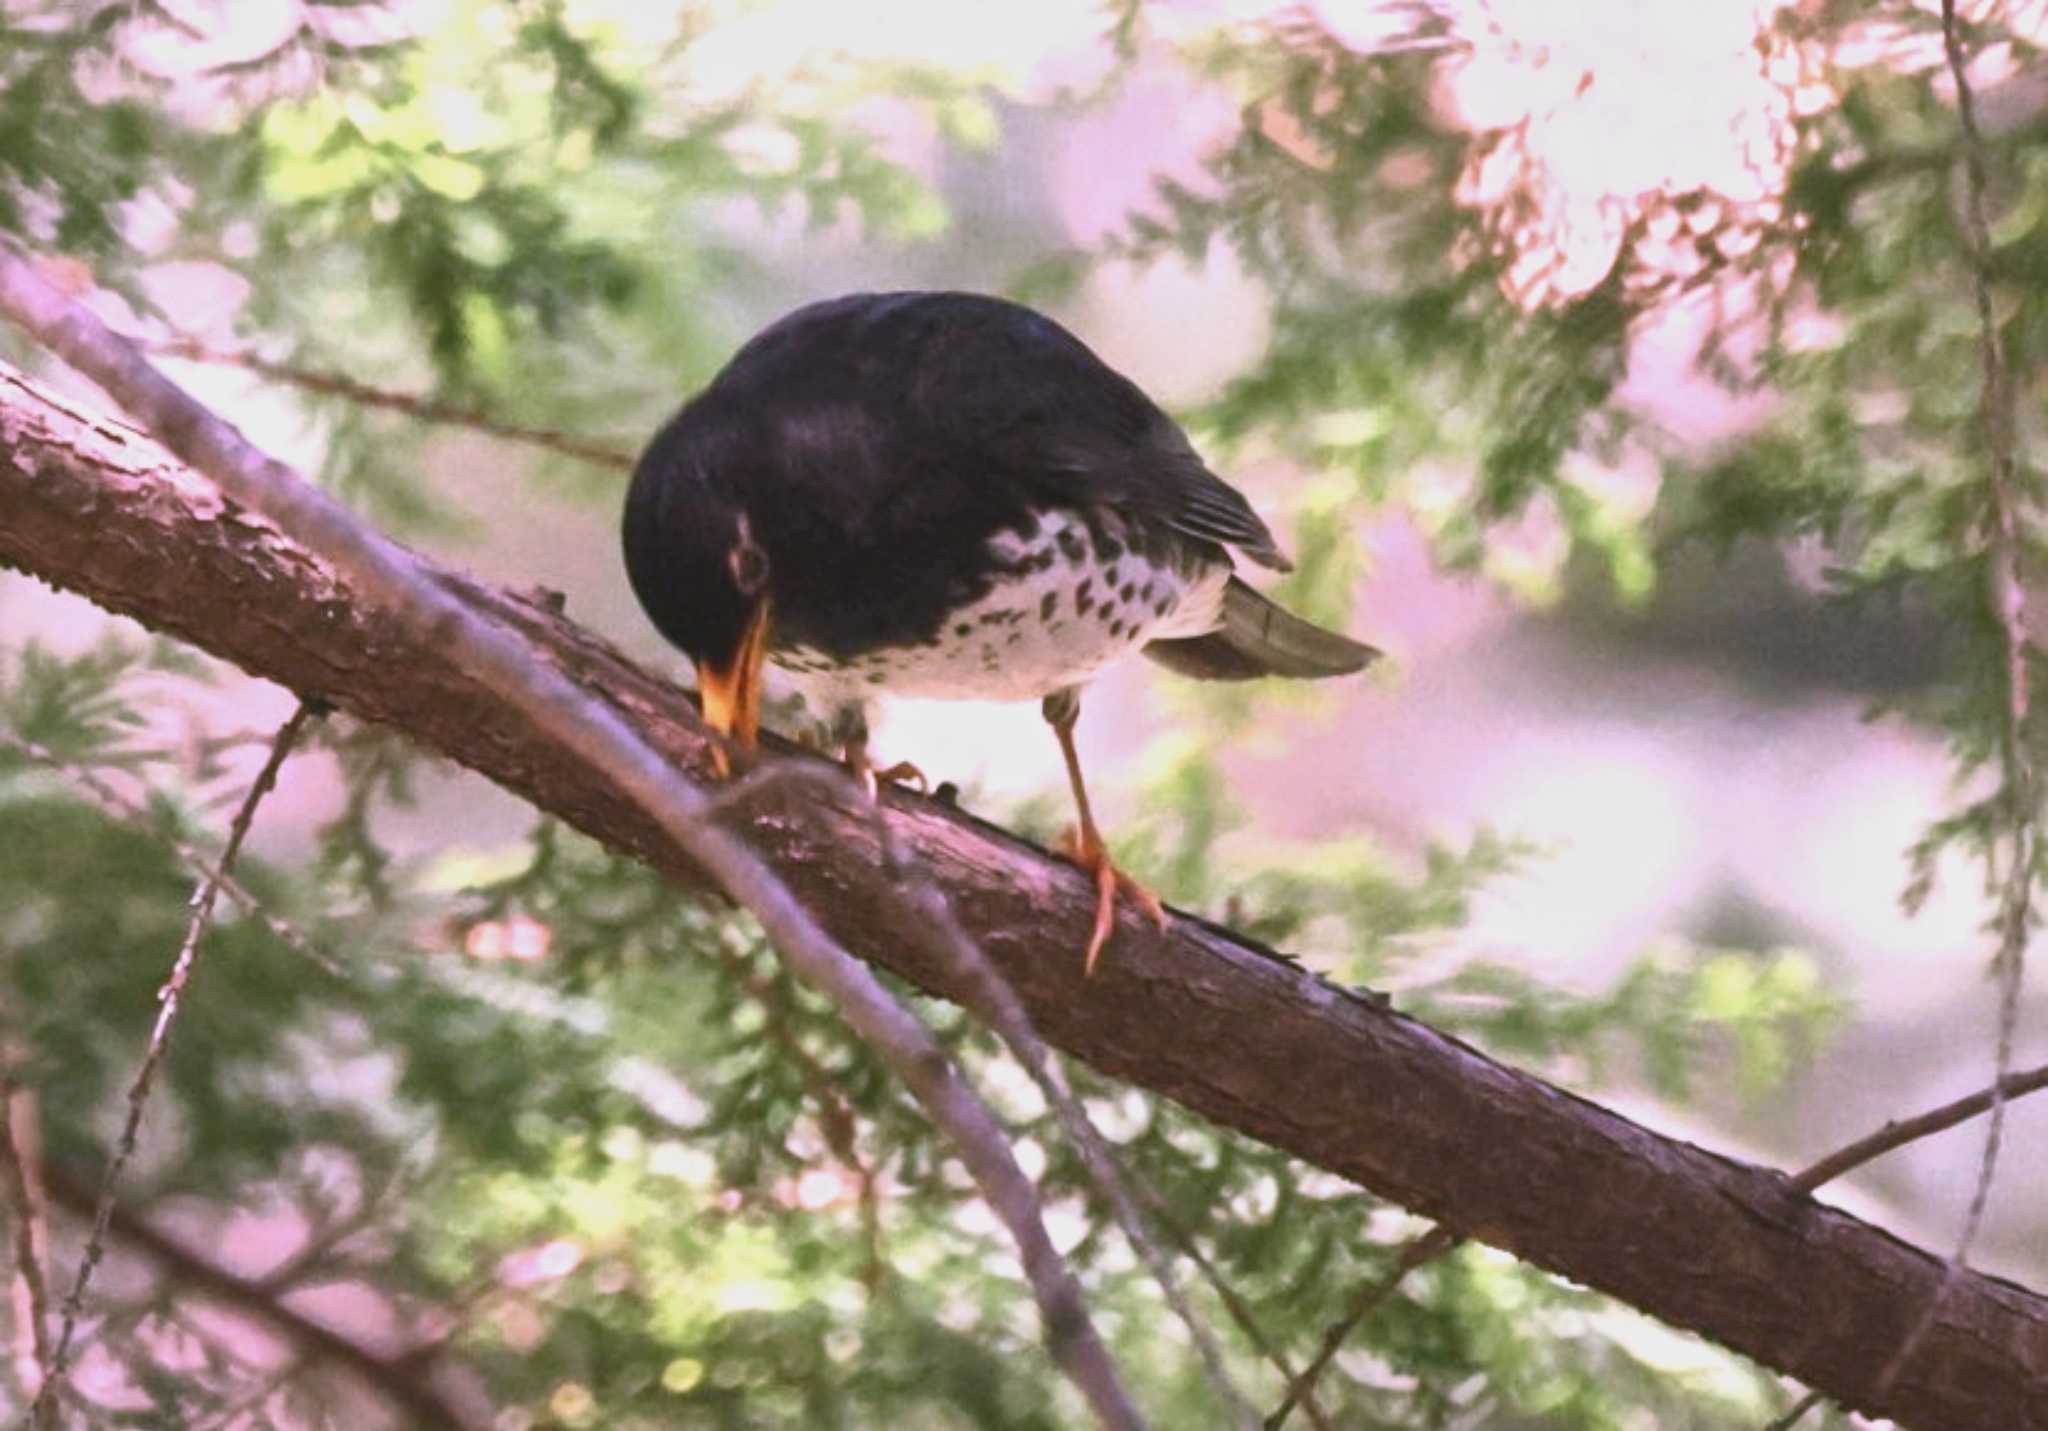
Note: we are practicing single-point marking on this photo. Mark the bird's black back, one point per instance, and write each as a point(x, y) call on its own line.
point(876, 443)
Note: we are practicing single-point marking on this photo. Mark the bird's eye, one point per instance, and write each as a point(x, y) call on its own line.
point(746, 561)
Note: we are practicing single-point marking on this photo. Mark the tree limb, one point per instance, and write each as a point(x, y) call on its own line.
point(422, 409)
point(1899, 1132)
point(991, 999)
point(1219, 1024)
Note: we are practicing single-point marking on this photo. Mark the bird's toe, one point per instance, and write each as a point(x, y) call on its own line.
point(1093, 855)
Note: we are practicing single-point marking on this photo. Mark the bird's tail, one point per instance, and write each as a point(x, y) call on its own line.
point(1258, 638)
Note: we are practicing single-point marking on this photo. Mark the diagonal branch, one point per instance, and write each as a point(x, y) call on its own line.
point(1796, 1412)
point(993, 999)
point(403, 1380)
point(423, 409)
point(2019, 792)
point(169, 999)
point(394, 582)
point(1221, 1025)
point(1921, 1125)
point(21, 1194)
point(1424, 1249)
point(111, 801)
point(2008, 597)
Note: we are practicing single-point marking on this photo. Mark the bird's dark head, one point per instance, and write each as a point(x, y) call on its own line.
point(701, 575)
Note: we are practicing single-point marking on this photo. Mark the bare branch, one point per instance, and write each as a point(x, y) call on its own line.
point(496, 657)
point(991, 996)
point(2019, 793)
point(423, 409)
point(1426, 1248)
point(401, 1379)
point(203, 900)
point(2008, 600)
point(1908, 1130)
point(1240, 1311)
point(111, 800)
point(21, 1192)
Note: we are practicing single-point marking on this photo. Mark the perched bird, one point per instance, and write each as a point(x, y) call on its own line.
point(944, 494)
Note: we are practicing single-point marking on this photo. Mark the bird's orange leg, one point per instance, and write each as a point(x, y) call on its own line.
point(1084, 845)
point(732, 695)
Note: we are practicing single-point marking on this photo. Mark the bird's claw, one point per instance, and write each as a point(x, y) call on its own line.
point(901, 773)
point(1086, 849)
point(904, 773)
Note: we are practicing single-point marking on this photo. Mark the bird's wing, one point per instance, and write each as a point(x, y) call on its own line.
point(1035, 404)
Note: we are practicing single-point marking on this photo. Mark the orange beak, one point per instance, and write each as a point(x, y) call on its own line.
point(732, 697)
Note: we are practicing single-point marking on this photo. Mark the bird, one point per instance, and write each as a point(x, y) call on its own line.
point(947, 494)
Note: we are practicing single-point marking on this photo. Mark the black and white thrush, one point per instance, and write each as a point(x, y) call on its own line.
point(944, 494)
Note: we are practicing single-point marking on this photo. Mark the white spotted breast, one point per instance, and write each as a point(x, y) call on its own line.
point(1072, 596)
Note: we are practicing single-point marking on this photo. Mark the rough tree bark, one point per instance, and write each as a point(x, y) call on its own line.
point(1218, 1024)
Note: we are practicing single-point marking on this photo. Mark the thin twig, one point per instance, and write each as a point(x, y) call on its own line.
point(136, 812)
point(2008, 595)
point(499, 658)
point(1239, 1309)
point(401, 1377)
point(168, 997)
point(995, 1000)
point(1796, 1413)
point(2008, 603)
point(21, 1192)
point(1907, 1130)
point(1426, 1248)
point(1099, 1162)
point(251, 1401)
point(836, 1116)
point(411, 404)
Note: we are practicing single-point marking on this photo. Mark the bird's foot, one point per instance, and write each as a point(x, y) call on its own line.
point(1085, 848)
point(901, 773)
point(904, 773)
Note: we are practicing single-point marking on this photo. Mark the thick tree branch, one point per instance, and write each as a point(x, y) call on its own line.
point(1222, 1026)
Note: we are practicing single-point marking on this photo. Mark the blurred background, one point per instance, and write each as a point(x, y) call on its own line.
point(1572, 348)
